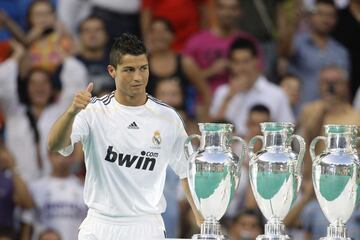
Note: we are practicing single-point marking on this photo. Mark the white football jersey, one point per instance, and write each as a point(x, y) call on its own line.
point(127, 150)
point(59, 206)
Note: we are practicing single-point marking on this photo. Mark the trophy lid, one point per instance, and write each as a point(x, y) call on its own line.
point(277, 126)
point(216, 127)
point(341, 129)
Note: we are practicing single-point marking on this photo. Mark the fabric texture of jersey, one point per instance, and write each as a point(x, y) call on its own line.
point(127, 150)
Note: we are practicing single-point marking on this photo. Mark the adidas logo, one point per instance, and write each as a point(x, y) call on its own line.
point(133, 125)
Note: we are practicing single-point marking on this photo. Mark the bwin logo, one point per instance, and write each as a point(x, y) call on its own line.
point(142, 162)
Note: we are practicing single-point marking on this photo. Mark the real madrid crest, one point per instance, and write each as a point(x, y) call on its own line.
point(156, 138)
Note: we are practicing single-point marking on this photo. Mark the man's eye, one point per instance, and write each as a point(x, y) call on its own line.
point(128, 70)
point(144, 68)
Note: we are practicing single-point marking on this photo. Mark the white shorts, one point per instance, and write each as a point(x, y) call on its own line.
point(141, 228)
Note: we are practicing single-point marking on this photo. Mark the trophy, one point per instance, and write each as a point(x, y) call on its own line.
point(275, 175)
point(213, 174)
point(336, 177)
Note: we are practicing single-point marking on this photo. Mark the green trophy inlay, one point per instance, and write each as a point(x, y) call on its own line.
point(269, 183)
point(331, 186)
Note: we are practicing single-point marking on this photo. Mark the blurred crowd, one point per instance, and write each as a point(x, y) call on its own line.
point(237, 61)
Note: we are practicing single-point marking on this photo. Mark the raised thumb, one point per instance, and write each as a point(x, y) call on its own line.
point(90, 87)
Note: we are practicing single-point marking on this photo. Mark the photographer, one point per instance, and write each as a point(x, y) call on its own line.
point(333, 108)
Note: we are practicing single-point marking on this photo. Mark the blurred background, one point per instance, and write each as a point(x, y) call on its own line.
point(237, 61)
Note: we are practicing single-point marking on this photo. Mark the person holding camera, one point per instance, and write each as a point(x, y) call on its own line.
point(334, 107)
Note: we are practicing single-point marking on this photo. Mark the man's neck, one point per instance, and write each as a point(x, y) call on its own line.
point(60, 174)
point(131, 101)
point(320, 39)
point(224, 31)
point(93, 54)
point(36, 111)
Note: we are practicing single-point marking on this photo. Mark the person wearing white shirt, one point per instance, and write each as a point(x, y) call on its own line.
point(27, 124)
point(246, 88)
point(58, 201)
point(129, 138)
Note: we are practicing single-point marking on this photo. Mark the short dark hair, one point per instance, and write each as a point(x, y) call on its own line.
point(251, 212)
point(260, 108)
point(166, 22)
point(287, 76)
point(89, 18)
point(243, 44)
point(127, 43)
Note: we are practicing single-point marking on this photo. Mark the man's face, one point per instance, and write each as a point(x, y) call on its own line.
point(169, 91)
point(160, 36)
point(39, 88)
point(247, 227)
point(291, 87)
point(333, 86)
point(131, 75)
point(253, 123)
point(228, 12)
point(324, 18)
point(93, 35)
point(243, 64)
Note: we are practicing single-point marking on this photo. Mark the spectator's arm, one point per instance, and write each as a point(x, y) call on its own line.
point(288, 18)
point(22, 195)
point(13, 27)
point(193, 73)
point(145, 17)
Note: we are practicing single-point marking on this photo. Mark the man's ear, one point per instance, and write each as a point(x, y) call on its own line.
point(111, 71)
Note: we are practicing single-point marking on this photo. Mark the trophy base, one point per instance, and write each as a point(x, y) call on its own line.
point(209, 237)
point(273, 237)
point(335, 238)
point(336, 231)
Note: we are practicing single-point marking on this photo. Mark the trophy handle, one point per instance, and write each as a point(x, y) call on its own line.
point(188, 148)
point(313, 145)
point(301, 156)
point(302, 150)
point(252, 143)
point(243, 146)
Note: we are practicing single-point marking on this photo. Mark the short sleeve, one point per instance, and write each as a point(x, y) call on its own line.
point(218, 99)
point(178, 161)
point(79, 133)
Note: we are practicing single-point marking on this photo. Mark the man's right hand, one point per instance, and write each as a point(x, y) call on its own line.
point(81, 100)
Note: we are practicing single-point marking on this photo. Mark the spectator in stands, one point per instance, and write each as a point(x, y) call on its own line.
point(57, 200)
point(93, 39)
point(186, 16)
point(165, 63)
point(246, 225)
point(120, 16)
point(209, 48)
point(13, 193)
point(291, 86)
point(347, 32)
point(246, 88)
point(27, 124)
point(47, 38)
point(308, 52)
point(332, 108)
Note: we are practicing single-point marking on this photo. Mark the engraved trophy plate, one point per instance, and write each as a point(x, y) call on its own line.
point(213, 174)
point(275, 175)
point(336, 177)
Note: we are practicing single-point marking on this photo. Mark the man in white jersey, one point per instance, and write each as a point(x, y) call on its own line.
point(128, 139)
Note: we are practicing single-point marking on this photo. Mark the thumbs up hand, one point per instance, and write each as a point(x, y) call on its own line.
point(81, 99)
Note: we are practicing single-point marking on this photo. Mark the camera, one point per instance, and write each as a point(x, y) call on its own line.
point(331, 88)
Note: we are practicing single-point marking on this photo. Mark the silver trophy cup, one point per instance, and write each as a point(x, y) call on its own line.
point(336, 177)
point(213, 174)
point(275, 175)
